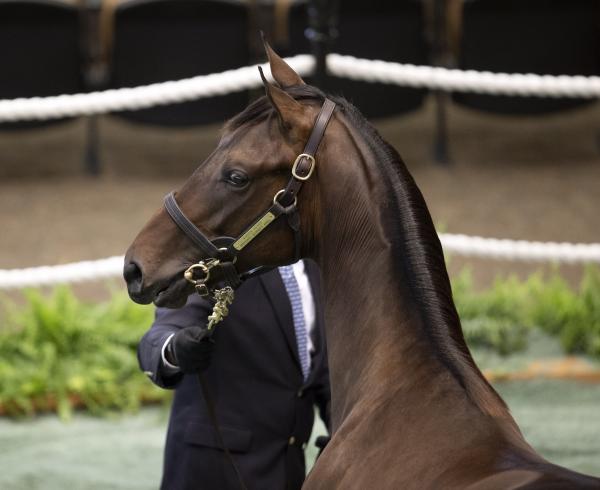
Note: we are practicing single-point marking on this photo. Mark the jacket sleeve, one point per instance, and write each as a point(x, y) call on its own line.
point(166, 323)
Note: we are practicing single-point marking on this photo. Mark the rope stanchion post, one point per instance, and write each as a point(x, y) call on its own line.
point(440, 147)
point(322, 30)
point(92, 146)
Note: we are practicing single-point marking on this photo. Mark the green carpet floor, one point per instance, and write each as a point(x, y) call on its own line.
point(560, 419)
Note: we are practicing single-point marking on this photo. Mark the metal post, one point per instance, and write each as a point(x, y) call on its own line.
point(321, 31)
point(441, 154)
point(95, 79)
point(92, 157)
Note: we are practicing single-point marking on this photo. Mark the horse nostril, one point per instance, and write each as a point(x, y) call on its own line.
point(133, 276)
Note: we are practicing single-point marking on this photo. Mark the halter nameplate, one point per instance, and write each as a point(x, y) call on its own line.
point(254, 230)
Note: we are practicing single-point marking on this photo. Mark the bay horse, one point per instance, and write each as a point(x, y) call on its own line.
point(410, 409)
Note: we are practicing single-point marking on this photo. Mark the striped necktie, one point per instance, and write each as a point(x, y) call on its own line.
point(293, 291)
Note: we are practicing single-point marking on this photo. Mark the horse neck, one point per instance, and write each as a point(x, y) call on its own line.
point(377, 349)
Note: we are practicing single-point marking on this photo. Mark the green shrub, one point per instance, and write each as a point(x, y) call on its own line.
point(581, 329)
point(502, 316)
point(492, 318)
point(497, 334)
point(58, 353)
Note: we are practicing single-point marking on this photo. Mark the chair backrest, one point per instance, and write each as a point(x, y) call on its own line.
point(548, 37)
point(161, 40)
point(390, 30)
point(39, 51)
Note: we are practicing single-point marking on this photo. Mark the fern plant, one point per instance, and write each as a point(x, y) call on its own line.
point(59, 353)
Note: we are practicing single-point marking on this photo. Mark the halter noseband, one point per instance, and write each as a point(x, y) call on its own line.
point(222, 252)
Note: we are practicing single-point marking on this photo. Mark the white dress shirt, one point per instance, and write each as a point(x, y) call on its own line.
point(308, 302)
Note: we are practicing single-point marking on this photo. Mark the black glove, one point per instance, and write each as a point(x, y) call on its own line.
point(321, 442)
point(191, 349)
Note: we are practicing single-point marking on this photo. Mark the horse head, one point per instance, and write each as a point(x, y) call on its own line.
point(247, 178)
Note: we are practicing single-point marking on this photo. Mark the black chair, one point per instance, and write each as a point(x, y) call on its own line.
point(553, 37)
point(390, 30)
point(41, 55)
point(39, 52)
point(160, 40)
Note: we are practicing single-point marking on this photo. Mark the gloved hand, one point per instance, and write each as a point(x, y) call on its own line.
point(191, 349)
point(321, 442)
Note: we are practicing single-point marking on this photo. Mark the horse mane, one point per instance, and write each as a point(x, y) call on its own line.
point(417, 250)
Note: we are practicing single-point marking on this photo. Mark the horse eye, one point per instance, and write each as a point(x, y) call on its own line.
point(236, 178)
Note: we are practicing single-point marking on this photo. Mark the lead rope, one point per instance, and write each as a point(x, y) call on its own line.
point(212, 415)
point(223, 298)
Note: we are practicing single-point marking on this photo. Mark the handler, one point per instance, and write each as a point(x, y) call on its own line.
point(266, 368)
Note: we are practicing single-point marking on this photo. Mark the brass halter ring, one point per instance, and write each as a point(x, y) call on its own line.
point(189, 273)
point(279, 194)
point(200, 284)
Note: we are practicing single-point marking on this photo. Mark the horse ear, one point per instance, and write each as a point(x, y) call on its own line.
point(283, 73)
point(289, 110)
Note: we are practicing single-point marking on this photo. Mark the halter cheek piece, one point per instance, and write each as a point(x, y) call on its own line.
point(221, 253)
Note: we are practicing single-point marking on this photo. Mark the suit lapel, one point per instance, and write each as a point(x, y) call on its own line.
point(277, 295)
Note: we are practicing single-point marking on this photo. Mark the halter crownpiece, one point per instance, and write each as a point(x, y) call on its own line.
point(221, 253)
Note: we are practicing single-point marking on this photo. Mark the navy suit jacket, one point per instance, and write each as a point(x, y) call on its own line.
point(265, 409)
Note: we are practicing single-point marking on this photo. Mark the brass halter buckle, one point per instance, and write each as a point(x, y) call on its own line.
point(200, 283)
point(299, 158)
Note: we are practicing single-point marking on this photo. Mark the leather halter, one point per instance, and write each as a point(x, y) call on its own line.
point(222, 252)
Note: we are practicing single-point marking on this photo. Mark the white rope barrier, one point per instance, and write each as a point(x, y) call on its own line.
point(491, 248)
point(452, 80)
point(48, 275)
point(41, 108)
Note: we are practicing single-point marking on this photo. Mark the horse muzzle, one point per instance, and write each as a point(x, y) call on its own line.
point(171, 292)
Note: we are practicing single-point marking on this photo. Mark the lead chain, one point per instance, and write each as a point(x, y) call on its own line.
point(223, 298)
